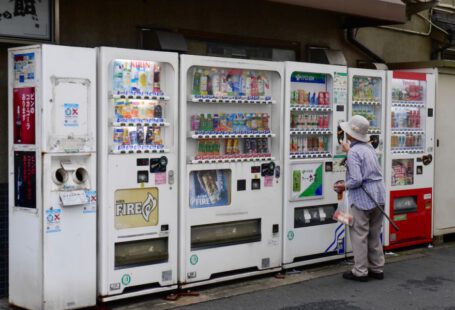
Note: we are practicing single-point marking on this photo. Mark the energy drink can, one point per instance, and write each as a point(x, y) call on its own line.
point(149, 136)
point(158, 111)
point(140, 135)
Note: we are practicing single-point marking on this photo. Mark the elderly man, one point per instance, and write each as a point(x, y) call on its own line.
point(363, 174)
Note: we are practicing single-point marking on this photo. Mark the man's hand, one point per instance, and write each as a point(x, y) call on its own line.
point(339, 186)
point(345, 147)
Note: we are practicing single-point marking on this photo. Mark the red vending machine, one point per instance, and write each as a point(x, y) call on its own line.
point(409, 162)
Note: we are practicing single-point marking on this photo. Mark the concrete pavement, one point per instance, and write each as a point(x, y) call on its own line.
point(422, 278)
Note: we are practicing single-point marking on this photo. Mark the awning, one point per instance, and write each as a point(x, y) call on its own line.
point(359, 12)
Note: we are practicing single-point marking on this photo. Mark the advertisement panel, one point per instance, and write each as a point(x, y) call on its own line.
point(306, 181)
point(136, 208)
point(210, 188)
point(25, 179)
point(24, 115)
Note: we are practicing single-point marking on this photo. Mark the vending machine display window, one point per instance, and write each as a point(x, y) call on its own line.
point(224, 234)
point(310, 118)
point(313, 216)
point(139, 107)
point(405, 205)
point(402, 172)
point(210, 188)
point(367, 99)
point(408, 115)
point(141, 252)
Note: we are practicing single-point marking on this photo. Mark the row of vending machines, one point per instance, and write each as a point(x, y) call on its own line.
point(135, 172)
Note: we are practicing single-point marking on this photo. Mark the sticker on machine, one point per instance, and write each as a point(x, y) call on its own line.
point(24, 68)
point(91, 202)
point(210, 188)
point(136, 207)
point(306, 181)
point(71, 117)
point(53, 220)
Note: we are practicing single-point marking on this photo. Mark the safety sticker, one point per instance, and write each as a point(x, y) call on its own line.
point(91, 202)
point(53, 220)
point(71, 117)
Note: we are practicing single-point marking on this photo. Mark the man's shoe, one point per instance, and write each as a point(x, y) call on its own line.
point(376, 275)
point(348, 275)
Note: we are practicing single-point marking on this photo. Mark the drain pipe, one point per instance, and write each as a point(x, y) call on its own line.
point(350, 37)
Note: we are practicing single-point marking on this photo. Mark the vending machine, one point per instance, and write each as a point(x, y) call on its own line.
point(230, 161)
point(137, 151)
point(367, 97)
point(409, 161)
point(315, 104)
point(52, 177)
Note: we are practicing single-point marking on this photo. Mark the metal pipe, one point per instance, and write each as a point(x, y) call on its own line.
point(425, 34)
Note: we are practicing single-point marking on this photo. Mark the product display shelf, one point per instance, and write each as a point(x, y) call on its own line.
point(297, 107)
point(308, 155)
point(227, 99)
point(160, 97)
point(228, 135)
point(311, 131)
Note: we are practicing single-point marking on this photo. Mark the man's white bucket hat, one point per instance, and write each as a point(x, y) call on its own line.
point(357, 128)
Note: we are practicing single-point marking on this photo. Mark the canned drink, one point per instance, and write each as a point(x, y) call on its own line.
point(294, 96)
point(301, 96)
point(149, 136)
point(253, 145)
point(140, 135)
point(228, 146)
point(235, 146)
point(247, 146)
point(326, 98)
point(133, 136)
point(118, 135)
point(321, 98)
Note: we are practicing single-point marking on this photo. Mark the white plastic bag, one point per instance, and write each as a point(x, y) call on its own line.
point(343, 212)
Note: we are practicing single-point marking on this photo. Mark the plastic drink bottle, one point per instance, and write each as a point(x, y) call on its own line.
point(126, 77)
point(254, 85)
point(197, 82)
point(156, 79)
point(118, 78)
point(204, 83)
point(216, 82)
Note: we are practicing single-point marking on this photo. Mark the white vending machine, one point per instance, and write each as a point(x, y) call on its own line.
point(230, 160)
point(367, 97)
point(52, 177)
point(137, 151)
point(409, 162)
point(315, 103)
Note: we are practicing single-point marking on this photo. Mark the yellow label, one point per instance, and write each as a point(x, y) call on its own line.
point(136, 208)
